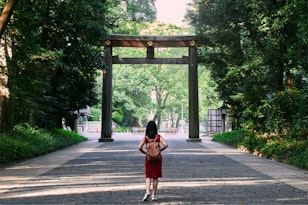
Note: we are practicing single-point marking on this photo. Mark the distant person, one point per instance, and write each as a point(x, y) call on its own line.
point(153, 169)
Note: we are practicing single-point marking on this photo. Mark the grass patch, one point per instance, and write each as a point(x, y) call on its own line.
point(25, 142)
point(292, 150)
point(231, 138)
point(122, 129)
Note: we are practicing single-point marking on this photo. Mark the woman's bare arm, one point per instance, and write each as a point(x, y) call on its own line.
point(165, 144)
point(140, 147)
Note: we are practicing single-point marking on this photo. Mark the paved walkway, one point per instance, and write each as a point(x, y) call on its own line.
point(112, 173)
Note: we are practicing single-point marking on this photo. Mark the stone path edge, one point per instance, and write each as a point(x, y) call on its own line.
point(282, 172)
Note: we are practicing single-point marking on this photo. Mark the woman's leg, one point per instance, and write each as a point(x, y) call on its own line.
point(147, 195)
point(147, 185)
point(155, 185)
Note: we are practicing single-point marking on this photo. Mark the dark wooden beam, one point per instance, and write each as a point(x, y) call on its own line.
point(106, 132)
point(150, 52)
point(118, 60)
point(117, 40)
point(193, 96)
point(150, 37)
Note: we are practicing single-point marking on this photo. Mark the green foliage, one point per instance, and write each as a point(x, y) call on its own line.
point(208, 95)
point(95, 113)
point(285, 110)
point(231, 138)
point(122, 129)
point(132, 88)
point(252, 143)
point(140, 10)
point(24, 142)
point(291, 149)
point(256, 52)
point(56, 52)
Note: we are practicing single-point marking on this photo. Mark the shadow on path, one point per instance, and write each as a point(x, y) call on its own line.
point(113, 173)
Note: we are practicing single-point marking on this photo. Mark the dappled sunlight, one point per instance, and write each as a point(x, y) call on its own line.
point(212, 182)
point(74, 190)
point(204, 153)
point(107, 172)
point(117, 182)
point(113, 151)
point(30, 166)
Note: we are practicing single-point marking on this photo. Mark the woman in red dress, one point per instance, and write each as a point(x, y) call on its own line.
point(153, 169)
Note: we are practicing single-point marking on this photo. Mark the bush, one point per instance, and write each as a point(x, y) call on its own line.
point(122, 129)
point(283, 111)
point(24, 142)
point(251, 143)
point(96, 113)
point(231, 138)
point(289, 149)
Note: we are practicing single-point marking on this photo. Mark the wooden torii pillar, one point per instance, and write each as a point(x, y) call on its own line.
point(150, 42)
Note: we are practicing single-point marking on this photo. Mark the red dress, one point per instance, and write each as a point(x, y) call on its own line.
point(153, 169)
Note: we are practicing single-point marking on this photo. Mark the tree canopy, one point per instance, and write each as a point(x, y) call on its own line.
point(257, 52)
point(253, 56)
point(53, 54)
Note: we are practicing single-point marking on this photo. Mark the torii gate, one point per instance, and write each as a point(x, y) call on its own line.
point(150, 42)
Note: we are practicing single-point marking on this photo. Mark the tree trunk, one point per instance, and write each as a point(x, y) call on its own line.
point(157, 118)
point(6, 120)
point(6, 14)
point(6, 108)
point(6, 115)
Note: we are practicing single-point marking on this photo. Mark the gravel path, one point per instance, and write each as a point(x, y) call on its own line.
point(113, 173)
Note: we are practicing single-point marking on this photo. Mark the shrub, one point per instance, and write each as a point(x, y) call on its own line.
point(122, 129)
point(24, 142)
point(289, 149)
point(231, 138)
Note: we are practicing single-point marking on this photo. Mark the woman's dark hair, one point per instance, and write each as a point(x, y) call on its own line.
point(151, 130)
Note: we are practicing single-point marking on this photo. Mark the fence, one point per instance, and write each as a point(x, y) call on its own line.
point(214, 120)
point(90, 126)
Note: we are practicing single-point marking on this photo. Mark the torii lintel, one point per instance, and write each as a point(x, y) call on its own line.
point(120, 40)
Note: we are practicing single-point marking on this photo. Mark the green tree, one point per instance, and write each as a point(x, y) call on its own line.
point(132, 94)
point(56, 52)
point(140, 11)
point(250, 48)
point(6, 14)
